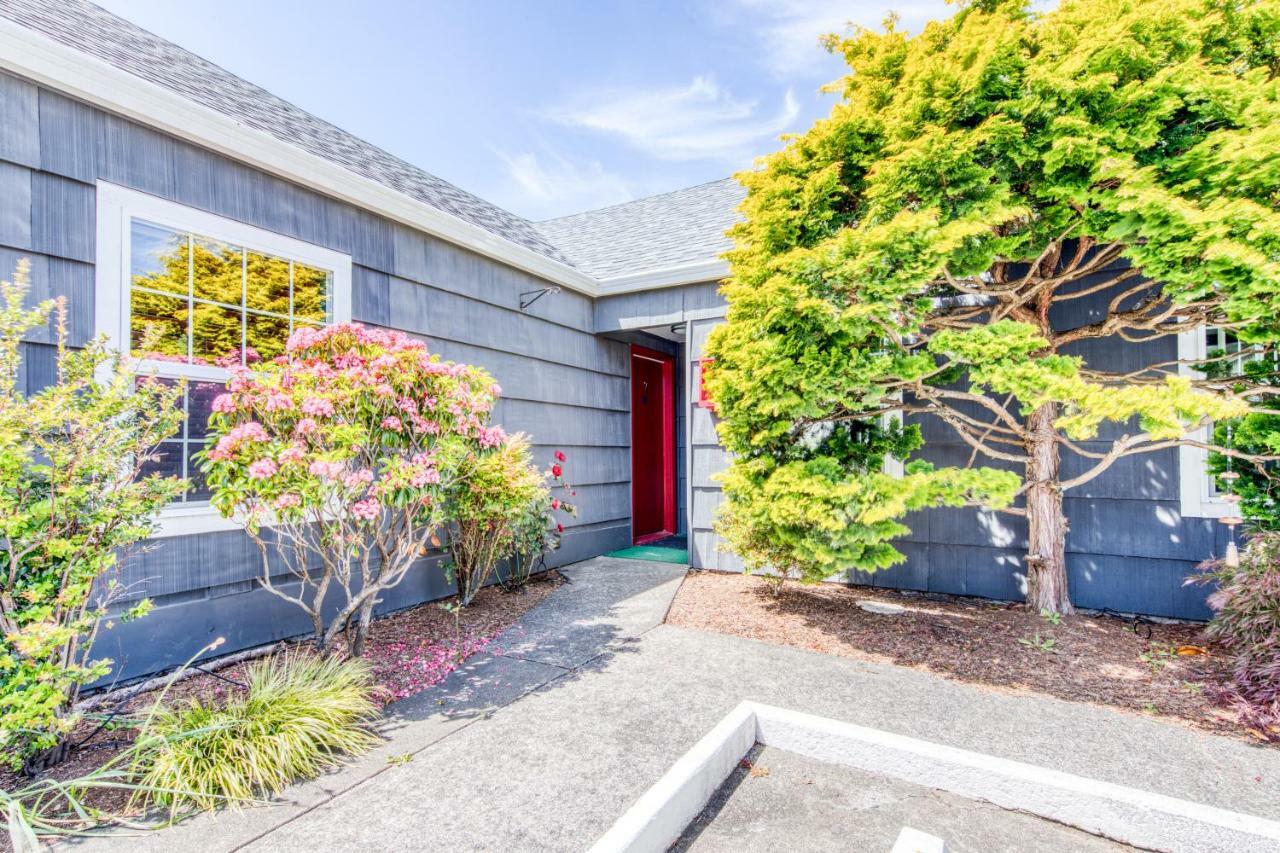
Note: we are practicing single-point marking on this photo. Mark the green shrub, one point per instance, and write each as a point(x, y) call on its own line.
point(73, 500)
point(535, 530)
point(299, 714)
point(495, 488)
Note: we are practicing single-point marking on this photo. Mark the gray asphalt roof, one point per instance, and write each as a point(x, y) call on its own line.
point(680, 227)
point(674, 228)
point(97, 32)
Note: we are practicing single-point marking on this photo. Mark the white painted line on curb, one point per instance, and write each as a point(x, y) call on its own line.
point(914, 841)
point(661, 814)
point(1129, 815)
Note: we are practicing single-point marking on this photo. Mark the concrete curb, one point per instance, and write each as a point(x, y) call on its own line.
point(1129, 815)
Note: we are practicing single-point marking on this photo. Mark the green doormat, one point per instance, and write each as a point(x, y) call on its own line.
point(653, 552)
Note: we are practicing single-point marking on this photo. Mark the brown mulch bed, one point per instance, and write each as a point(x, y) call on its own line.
point(409, 651)
point(1105, 660)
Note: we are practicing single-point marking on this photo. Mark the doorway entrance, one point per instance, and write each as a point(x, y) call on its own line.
point(653, 445)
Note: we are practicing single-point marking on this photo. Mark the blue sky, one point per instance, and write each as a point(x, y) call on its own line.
point(544, 108)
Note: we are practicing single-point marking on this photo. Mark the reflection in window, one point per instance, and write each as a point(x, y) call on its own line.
point(173, 457)
point(1229, 356)
point(196, 302)
point(205, 302)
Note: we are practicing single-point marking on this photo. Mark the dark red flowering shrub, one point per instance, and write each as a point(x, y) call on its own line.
point(1246, 624)
point(536, 529)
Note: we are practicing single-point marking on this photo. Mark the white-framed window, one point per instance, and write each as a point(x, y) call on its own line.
point(893, 466)
point(189, 294)
point(1198, 490)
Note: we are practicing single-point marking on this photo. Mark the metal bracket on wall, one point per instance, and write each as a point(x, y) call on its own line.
point(525, 301)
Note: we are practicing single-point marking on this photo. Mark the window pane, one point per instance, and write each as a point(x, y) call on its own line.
point(199, 490)
point(200, 396)
point(165, 318)
point(215, 335)
point(217, 271)
point(265, 336)
point(165, 461)
point(158, 258)
point(267, 283)
point(311, 293)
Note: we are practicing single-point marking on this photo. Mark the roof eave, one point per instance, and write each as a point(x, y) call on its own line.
point(80, 75)
point(673, 276)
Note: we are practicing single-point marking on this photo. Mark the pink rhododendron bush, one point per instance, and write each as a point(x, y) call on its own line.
point(340, 457)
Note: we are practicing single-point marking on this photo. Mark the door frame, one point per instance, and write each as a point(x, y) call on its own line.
point(669, 525)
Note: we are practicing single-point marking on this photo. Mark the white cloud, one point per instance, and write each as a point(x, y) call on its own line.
point(549, 185)
point(699, 121)
point(789, 30)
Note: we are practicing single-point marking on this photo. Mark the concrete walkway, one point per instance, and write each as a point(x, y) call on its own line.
point(581, 706)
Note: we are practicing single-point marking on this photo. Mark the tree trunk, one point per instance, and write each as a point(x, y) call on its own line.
point(1046, 555)
point(36, 764)
point(362, 626)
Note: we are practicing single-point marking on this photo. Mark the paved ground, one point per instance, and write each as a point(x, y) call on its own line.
point(585, 703)
point(799, 804)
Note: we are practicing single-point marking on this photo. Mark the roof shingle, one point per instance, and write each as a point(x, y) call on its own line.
point(672, 229)
point(681, 227)
point(95, 31)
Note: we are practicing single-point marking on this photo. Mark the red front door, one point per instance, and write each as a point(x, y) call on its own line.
point(653, 445)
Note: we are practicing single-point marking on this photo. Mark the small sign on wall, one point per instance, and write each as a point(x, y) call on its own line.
point(704, 397)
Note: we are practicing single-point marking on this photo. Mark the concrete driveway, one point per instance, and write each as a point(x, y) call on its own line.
point(542, 743)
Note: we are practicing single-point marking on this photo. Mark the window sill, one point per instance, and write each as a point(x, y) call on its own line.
point(1209, 508)
point(189, 521)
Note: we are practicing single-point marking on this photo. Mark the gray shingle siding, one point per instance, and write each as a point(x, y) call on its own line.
point(563, 384)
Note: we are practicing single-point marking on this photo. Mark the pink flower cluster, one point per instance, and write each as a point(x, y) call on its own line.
point(349, 416)
point(262, 469)
point(349, 335)
point(227, 446)
point(368, 509)
point(491, 436)
point(326, 470)
point(317, 407)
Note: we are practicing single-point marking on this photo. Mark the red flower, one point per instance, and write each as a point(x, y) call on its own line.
point(559, 455)
point(556, 470)
point(559, 528)
point(555, 503)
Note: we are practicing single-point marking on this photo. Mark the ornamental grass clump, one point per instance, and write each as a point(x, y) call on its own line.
point(1246, 624)
point(299, 715)
point(339, 456)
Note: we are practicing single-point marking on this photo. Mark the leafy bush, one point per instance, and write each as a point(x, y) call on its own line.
point(496, 487)
point(1246, 623)
point(299, 714)
point(346, 447)
point(535, 530)
point(71, 502)
point(912, 254)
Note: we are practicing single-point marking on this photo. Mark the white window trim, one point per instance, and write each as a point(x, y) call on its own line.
point(893, 466)
point(116, 206)
point(1193, 478)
